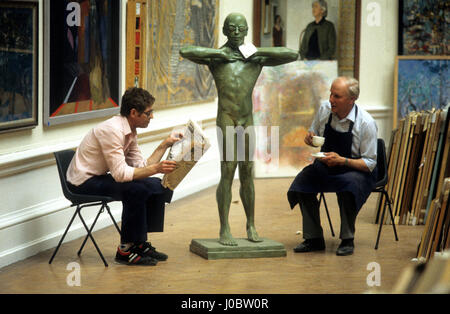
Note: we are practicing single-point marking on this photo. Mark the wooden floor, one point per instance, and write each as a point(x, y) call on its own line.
point(185, 272)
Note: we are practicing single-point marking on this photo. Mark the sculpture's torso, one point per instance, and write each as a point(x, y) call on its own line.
point(234, 83)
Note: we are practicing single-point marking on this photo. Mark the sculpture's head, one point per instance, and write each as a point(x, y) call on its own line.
point(235, 28)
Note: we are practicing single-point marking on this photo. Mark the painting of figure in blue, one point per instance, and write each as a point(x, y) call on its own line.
point(423, 84)
point(17, 65)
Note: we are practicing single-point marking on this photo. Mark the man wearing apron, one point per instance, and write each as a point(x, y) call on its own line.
point(348, 168)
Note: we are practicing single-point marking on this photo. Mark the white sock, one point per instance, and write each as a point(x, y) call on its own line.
point(125, 246)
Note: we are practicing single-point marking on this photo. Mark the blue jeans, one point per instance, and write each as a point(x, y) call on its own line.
point(143, 203)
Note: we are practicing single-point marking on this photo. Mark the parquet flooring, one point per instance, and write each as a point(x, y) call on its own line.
point(184, 272)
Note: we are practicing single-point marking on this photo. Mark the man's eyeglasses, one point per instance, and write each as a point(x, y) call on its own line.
point(148, 113)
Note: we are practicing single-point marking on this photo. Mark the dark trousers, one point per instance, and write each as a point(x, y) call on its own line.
point(143, 203)
point(309, 206)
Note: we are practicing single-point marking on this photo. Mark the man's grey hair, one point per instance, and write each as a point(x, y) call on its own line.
point(323, 5)
point(352, 86)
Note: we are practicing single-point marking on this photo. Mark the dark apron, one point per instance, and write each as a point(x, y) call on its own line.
point(318, 177)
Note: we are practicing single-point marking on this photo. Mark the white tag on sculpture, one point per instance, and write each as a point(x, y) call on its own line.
point(247, 50)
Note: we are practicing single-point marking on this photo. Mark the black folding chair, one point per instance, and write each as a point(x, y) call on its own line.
point(63, 159)
point(382, 179)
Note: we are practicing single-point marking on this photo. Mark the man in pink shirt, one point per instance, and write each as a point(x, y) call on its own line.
point(109, 162)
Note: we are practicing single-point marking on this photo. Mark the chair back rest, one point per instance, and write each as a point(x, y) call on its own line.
point(382, 176)
point(63, 159)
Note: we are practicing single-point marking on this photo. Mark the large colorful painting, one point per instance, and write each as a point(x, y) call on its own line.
point(421, 83)
point(423, 27)
point(285, 100)
point(18, 65)
point(83, 62)
point(171, 79)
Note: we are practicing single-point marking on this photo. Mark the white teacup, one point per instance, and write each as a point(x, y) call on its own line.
point(318, 140)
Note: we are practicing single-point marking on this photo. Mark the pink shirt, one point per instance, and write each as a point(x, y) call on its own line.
point(109, 147)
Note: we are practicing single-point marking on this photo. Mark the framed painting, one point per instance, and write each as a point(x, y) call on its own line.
point(136, 43)
point(285, 101)
point(267, 16)
point(83, 64)
point(410, 92)
point(173, 80)
point(296, 15)
point(423, 27)
point(18, 65)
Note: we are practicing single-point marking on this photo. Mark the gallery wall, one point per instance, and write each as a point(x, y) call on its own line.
point(379, 28)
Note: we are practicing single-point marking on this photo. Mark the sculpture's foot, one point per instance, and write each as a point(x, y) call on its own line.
point(252, 235)
point(227, 239)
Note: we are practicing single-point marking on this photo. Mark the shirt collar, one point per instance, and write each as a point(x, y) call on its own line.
point(351, 115)
point(125, 125)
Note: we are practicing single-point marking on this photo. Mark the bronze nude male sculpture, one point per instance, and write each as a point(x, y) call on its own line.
point(235, 77)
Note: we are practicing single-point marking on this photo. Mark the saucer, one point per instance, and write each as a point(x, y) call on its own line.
point(318, 155)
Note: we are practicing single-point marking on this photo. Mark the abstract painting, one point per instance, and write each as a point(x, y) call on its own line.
point(83, 41)
point(423, 27)
point(18, 65)
point(421, 83)
point(173, 80)
point(285, 100)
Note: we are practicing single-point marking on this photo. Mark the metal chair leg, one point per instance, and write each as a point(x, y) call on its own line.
point(392, 216)
point(92, 228)
point(322, 197)
point(379, 207)
point(381, 226)
point(64, 235)
point(112, 218)
point(388, 204)
point(92, 239)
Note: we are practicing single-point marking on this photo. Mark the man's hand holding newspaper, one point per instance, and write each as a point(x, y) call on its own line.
point(186, 153)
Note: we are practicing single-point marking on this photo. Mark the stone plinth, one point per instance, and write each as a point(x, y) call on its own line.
point(212, 249)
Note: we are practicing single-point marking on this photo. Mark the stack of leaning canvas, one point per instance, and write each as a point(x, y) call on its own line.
point(417, 165)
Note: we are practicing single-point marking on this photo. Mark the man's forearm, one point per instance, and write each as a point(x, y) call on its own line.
point(357, 164)
point(157, 154)
point(144, 172)
point(200, 52)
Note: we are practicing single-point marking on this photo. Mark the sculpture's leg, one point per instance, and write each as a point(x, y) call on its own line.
point(247, 193)
point(223, 196)
point(247, 188)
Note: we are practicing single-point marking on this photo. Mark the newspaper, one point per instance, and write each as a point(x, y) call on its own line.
point(186, 153)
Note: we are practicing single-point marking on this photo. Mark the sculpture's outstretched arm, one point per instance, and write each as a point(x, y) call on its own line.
point(272, 56)
point(202, 55)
